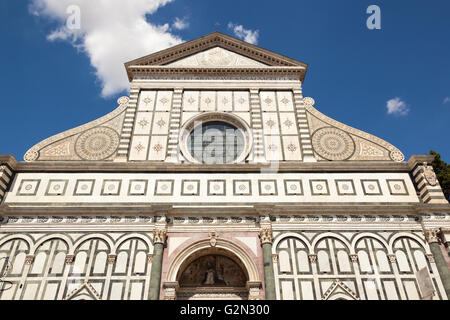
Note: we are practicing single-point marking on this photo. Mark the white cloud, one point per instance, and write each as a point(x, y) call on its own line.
point(447, 100)
point(247, 35)
point(180, 24)
point(111, 33)
point(397, 106)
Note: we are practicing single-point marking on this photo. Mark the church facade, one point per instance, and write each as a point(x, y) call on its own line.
point(218, 179)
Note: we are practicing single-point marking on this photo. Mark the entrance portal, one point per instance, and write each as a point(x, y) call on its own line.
point(206, 272)
point(213, 277)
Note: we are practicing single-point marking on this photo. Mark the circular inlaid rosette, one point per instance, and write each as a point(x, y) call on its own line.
point(333, 144)
point(309, 101)
point(30, 156)
point(397, 156)
point(97, 143)
point(123, 100)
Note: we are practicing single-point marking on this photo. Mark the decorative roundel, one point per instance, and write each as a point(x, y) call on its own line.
point(333, 144)
point(397, 156)
point(30, 156)
point(308, 101)
point(123, 100)
point(97, 143)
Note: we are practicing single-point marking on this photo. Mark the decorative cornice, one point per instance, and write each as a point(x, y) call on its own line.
point(265, 72)
point(144, 166)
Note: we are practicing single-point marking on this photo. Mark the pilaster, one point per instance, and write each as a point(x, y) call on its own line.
point(174, 126)
point(302, 121)
point(257, 131)
point(128, 122)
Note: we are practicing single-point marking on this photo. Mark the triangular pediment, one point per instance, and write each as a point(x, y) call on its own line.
point(216, 57)
point(339, 291)
point(235, 48)
point(85, 292)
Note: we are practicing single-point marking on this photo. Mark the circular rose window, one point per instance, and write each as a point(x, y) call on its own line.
point(215, 138)
point(215, 142)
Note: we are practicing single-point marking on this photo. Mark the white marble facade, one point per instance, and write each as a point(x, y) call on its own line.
point(79, 218)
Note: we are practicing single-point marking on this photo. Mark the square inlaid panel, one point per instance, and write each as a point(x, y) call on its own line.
point(28, 187)
point(56, 187)
point(319, 187)
point(84, 187)
point(242, 187)
point(397, 187)
point(216, 187)
point(293, 187)
point(190, 187)
point(267, 187)
point(111, 187)
point(345, 187)
point(137, 187)
point(371, 187)
point(164, 188)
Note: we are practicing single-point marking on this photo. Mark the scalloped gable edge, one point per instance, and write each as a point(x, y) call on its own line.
point(33, 153)
point(394, 153)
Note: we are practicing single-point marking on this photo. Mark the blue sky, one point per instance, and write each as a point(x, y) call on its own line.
point(49, 85)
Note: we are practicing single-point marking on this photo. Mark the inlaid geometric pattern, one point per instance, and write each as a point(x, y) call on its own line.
point(281, 133)
point(164, 188)
point(217, 187)
point(267, 187)
point(28, 187)
point(111, 187)
point(242, 187)
point(84, 187)
point(293, 187)
point(371, 187)
point(345, 187)
point(190, 187)
point(397, 187)
point(319, 187)
point(137, 187)
point(57, 187)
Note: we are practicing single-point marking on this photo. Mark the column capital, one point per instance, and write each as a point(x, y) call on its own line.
point(354, 257)
point(69, 259)
point(112, 258)
point(265, 234)
point(430, 258)
point(29, 259)
point(392, 258)
point(312, 258)
point(159, 234)
point(432, 235)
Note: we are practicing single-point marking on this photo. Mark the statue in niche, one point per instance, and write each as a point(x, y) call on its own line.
point(213, 271)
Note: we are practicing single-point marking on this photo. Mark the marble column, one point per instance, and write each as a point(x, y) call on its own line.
point(432, 236)
point(159, 238)
point(265, 234)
